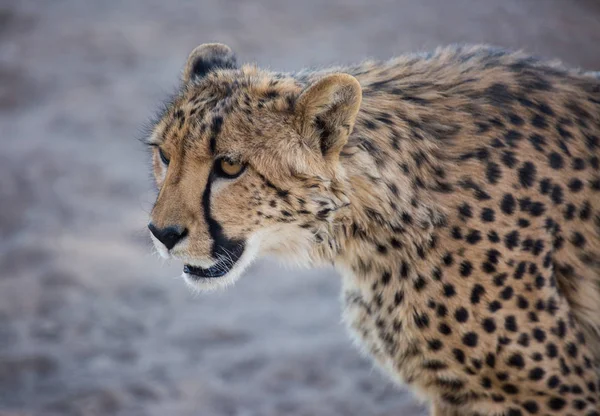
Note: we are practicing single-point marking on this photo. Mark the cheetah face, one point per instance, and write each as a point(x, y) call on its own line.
point(246, 164)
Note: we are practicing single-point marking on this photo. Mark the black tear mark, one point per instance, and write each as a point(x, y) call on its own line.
point(222, 245)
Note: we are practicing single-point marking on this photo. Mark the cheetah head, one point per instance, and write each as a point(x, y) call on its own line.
point(246, 163)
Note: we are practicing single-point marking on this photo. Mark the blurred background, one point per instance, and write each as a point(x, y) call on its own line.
point(91, 322)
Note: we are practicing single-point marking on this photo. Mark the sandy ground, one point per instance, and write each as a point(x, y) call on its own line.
point(91, 323)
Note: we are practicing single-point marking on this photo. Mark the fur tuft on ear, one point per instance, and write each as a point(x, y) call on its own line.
point(326, 112)
point(206, 58)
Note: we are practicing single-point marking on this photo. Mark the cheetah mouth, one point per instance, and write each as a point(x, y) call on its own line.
point(223, 266)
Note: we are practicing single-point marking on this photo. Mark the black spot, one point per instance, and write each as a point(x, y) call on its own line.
point(512, 136)
point(575, 185)
point(500, 279)
point(536, 374)
point(488, 267)
point(536, 208)
point(540, 281)
point(557, 194)
point(459, 355)
point(476, 293)
point(385, 278)
point(522, 303)
point(498, 398)
point(444, 329)
point(486, 383)
point(527, 173)
point(398, 297)
point(493, 173)
point(421, 320)
point(511, 240)
point(523, 340)
point(510, 389)
point(449, 290)
point(489, 325)
point(470, 339)
point(539, 121)
point(457, 233)
point(516, 360)
point(493, 237)
point(473, 237)
point(555, 160)
point(586, 211)
point(404, 269)
point(510, 324)
point(465, 211)
point(545, 186)
point(551, 350)
point(420, 283)
point(498, 94)
point(461, 315)
point(578, 164)
point(494, 306)
point(487, 215)
point(369, 124)
point(508, 204)
point(577, 239)
point(556, 403)
point(466, 268)
point(569, 212)
point(531, 407)
point(592, 142)
point(435, 345)
point(434, 365)
point(381, 249)
point(538, 142)
point(502, 376)
point(520, 270)
point(515, 119)
point(217, 123)
point(546, 109)
point(572, 349)
point(509, 159)
point(553, 382)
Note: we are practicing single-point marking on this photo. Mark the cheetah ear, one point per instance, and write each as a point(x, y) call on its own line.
point(326, 111)
point(206, 58)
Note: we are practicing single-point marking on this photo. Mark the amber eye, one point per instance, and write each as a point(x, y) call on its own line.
point(226, 168)
point(163, 157)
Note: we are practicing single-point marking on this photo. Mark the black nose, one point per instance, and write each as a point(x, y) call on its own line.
point(169, 236)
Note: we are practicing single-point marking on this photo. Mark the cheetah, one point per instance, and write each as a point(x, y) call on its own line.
point(456, 192)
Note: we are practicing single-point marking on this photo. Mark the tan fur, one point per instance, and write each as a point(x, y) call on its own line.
point(460, 200)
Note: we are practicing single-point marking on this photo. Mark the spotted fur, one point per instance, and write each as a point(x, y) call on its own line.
point(457, 192)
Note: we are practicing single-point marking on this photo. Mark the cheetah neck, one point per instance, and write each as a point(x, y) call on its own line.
point(390, 212)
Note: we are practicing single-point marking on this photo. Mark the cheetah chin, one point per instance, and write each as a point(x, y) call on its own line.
point(225, 272)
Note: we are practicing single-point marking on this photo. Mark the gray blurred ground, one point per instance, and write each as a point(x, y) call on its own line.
point(90, 322)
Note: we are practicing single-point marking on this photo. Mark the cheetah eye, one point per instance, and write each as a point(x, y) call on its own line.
point(226, 168)
point(163, 157)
